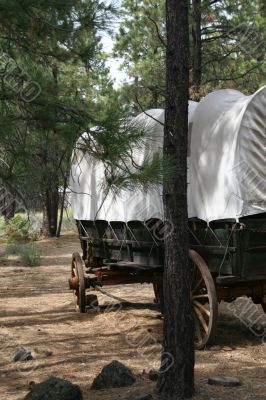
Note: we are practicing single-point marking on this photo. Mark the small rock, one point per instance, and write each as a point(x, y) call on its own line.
point(227, 348)
point(113, 375)
point(54, 389)
point(153, 375)
point(21, 354)
point(215, 348)
point(228, 381)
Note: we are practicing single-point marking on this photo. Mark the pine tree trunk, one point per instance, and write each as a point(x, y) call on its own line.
point(197, 45)
point(59, 226)
point(50, 212)
point(176, 380)
point(9, 208)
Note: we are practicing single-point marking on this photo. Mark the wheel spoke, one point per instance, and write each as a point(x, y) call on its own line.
point(201, 319)
point(197, 285)
point(201, 307)
point(199, 296)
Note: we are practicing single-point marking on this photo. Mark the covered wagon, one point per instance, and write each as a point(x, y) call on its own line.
point(122, 236)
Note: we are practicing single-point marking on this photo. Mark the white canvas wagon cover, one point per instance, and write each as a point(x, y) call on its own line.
point(88, 200)
point(228, 155)
point(227, 164)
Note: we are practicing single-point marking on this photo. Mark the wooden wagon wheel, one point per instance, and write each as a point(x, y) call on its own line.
point(204, 301)
point(78, 272)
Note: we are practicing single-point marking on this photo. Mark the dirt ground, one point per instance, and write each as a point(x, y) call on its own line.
point(37, 312)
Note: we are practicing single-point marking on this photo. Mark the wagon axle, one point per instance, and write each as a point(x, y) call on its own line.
point(88, 283)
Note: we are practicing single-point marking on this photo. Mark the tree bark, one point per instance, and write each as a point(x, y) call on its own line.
point(197, 45)
point(176, 380)
point(59, 227)
point(50, 212)
point(8, 207)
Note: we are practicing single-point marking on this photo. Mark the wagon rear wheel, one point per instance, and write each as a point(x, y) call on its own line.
point(78, 273)
point(204, 301)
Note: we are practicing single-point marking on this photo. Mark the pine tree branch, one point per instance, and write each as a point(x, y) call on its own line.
point(232, 78)
point(145, 112)
point(157, 30)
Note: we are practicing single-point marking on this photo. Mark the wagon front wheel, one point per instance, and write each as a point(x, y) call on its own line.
point(204, 301)
point(77, 274)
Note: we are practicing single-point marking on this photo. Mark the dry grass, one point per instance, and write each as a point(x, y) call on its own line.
point(37, 313)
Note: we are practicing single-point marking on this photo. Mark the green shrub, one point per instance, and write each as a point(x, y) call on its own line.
point(21, 228)
point(27, 253)
point(13, 249)
point(30, 256)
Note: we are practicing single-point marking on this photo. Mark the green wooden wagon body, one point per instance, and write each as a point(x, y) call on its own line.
point(234, 250)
